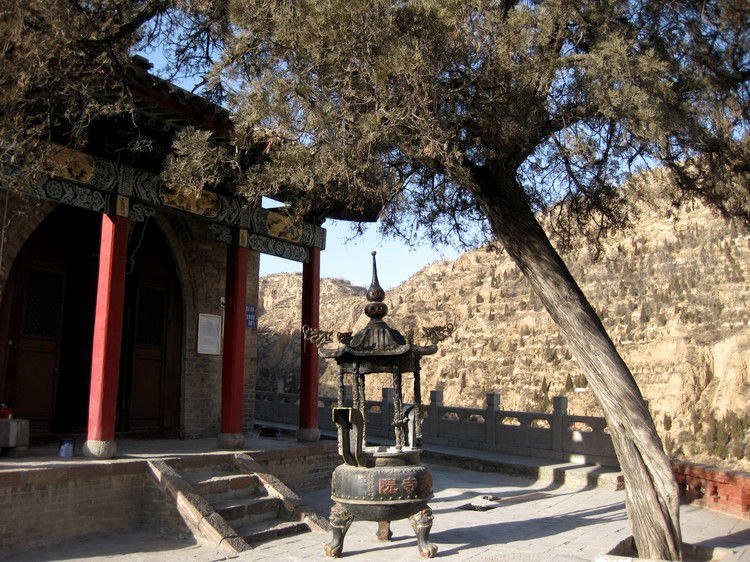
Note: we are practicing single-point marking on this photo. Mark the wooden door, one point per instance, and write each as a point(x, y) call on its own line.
point(35, 345)
point(46, 329)
point(150, 373)
point(147, 358)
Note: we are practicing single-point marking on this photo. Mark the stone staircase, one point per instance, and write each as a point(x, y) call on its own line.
point(244, 502)
point(230, 501)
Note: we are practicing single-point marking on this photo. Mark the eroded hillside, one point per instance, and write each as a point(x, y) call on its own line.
point(673, 292)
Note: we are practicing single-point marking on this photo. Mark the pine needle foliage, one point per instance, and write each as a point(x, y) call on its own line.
point(410, 103)
point(62, 65)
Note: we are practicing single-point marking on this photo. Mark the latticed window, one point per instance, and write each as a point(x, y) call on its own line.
point(152, 304)
point(43, 314)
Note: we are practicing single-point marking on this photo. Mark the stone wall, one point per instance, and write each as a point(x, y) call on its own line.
point(201, 264)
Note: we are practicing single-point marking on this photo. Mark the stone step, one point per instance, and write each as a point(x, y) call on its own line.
point(242, 501)
point(192, 466)
point(199, 474)
point(271, 529)
point(244, 511)
point(225, 486)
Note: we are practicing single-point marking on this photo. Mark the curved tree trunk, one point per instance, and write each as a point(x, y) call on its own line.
point(651, 499)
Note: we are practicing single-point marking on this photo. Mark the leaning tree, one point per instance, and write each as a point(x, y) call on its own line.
point(451, 110)
point(446, 112)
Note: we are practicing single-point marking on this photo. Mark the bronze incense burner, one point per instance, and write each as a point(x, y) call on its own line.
point(379, 483)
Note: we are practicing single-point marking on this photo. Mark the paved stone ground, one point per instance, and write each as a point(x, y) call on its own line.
point(534, 521)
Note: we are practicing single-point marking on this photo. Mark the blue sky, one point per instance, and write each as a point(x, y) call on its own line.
point(347, 258)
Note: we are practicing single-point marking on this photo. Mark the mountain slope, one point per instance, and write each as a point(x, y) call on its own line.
point(672, 291)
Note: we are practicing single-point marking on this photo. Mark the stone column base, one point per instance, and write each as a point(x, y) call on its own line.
point(99, 449)
point(308, 434)
point(231, 440)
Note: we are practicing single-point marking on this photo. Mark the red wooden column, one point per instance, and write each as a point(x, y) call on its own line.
point(233, 364)
point(105, 356)
point(308, 385)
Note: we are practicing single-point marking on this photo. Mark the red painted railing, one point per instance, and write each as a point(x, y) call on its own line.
point(714, 488)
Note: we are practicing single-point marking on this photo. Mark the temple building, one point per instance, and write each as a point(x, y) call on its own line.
point(127, 310)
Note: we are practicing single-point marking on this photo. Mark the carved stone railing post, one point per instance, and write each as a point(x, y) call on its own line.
point(436, 402)
point(386, 412)
point(490, 419)
point(559, 413)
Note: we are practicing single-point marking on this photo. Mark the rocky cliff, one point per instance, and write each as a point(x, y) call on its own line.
point(672, 291)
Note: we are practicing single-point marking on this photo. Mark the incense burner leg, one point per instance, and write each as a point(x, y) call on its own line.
point(421, 522)
point(340, 520)
point(384, 531)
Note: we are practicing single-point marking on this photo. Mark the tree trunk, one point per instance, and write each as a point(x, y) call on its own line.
point(651, 496)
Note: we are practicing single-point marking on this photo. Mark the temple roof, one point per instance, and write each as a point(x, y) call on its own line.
point(161, 108)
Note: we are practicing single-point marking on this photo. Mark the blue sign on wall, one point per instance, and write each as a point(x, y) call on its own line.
point(251, 321)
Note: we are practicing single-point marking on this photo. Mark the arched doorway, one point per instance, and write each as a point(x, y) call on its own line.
point(46, 329)
point(149, 394)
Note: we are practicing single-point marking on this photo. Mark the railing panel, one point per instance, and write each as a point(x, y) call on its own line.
point(462, 431)
point(523, 419)
point(264, 411)
point(525, 437)
point(376, 426)
point(458, 427)
point(325, 416)
point(585, 438)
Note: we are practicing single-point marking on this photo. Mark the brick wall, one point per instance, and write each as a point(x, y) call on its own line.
point(161, 516)
point(23, 216)
point(251, 343)
point(201, 267)
point(303, 468)
point(46, 506)
point(201, 264)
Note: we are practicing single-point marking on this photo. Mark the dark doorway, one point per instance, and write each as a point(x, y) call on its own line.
point(47, 321)
point(149, 394)
point(48, 315)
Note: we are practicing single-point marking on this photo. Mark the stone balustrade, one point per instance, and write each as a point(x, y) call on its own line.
point(557, 435)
